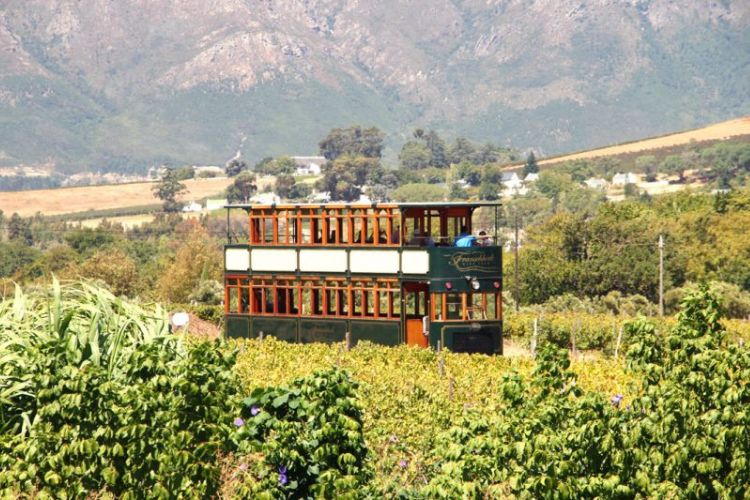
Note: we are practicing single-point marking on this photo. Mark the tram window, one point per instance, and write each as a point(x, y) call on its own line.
point(477, 306)
point(233, 299)
point(268, 300)
point(396, 303)
point(244, 299)
point(306, 229)
point(453, 306)
point(356, 301)
point(437, 306)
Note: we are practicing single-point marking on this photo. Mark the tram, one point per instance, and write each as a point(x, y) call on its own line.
point(390, 273)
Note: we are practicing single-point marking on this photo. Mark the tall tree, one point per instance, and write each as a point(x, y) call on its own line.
point(242, 188)
point(531, 166)
point(414, 155)
point(19, 229)
point(235, 166)
point(436, 145)
point(345, 177)
point(168, 189)
point(352, 141)
point(461, 150)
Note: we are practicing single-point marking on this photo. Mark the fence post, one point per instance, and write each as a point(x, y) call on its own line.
point(348, 337)
point(450, 389)
point(441, 366)
point(619, 339)
point(260, 335)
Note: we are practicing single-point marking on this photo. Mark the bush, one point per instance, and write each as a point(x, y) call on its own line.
point(681, 433)
point(308, 439)
point(98, 395)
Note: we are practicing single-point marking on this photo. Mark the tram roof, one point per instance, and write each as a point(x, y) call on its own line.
point(431, 204)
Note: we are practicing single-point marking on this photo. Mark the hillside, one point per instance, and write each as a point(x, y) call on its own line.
point(120, 85)
point(720, 131)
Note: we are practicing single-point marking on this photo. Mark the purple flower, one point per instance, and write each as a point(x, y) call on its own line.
point(403, 463)
point(254, 410)
point(616, 399)
point(239, 422)
point(283, 479)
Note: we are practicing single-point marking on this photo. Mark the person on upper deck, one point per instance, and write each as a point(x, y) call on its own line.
point(464, 239)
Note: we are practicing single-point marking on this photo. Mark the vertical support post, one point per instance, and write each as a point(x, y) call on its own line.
point(260, 335)
point(348, 337)
point(450, 389)
point(661, 276)
point(617, 346)
point(229, 233)
point(515, 252)
point(441, 366)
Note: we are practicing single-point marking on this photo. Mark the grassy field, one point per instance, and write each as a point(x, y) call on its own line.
point(718, 131)
point(81, 199)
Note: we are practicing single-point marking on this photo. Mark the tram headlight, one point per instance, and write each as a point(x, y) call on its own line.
point(475, 284)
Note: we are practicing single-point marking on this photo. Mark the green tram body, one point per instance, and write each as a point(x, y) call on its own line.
point(455, 300)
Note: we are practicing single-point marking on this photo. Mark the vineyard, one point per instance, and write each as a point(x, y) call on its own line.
point(97, 397)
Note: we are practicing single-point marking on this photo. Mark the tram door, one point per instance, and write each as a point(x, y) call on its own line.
point(416, 298)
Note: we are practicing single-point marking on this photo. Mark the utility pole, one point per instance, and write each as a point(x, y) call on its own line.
point(661, 276)
point(515, 252)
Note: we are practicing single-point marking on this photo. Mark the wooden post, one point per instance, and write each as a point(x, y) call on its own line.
point(260, 335)
point(617, 346)
point(441, 366)
point(450, 389)
point(348, 337)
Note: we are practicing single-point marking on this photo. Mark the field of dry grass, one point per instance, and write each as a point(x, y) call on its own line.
point(718, 131)
point(81, 199)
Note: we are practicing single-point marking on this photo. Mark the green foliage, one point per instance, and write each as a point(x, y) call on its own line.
point(677, 436)
point(15, 257)
point(531, 166)
point(242, 188)
point(235, 166)
point(414, 155)
point(310, 438)
point(168, 189)
point(352, 141)
point(97, 395)
point(419, 192)
point(344, 177)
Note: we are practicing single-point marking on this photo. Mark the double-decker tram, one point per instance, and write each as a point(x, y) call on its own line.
point(425, 274)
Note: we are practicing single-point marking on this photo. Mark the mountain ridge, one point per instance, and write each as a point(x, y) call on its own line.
point(126, 84)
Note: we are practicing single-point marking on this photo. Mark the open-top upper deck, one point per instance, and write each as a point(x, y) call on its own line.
point(364, 224)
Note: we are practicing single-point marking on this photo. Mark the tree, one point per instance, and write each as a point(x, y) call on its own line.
point(414, 156)
point(489, 191)
point(19, 229)
point(648, 165)
point(461, 150)
point(115, 268)
point(235, 166)
point(168, 189)
point(420, 193)
point(531, 167)
point(344, 177)
point(674, 164)
point(436, 146)
point(551, 183)
point(352, 141)
point(199, 258)
point(242, 188)
point(284, 185)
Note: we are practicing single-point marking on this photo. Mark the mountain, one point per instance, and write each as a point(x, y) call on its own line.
point(121, 84)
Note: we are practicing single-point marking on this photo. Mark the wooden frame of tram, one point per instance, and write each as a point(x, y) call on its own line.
point(386, 273)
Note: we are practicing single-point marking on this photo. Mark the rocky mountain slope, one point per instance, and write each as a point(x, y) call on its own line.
point(126, 83)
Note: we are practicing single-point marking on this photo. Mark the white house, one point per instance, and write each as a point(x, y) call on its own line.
point(531, 177)
point(308, 165)
point(596, 183)
point(192, 207)
point(265, 198)
point(511, 180)
point(626, 178)
point(321, 197)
